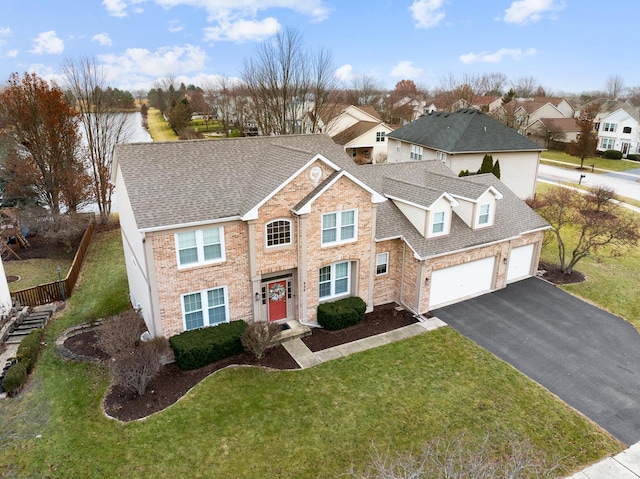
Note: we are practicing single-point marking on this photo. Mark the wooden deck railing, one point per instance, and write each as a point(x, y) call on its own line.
point(57, 290)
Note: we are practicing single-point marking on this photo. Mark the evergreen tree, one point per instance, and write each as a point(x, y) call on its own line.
point(487, 164)
point(496, 169)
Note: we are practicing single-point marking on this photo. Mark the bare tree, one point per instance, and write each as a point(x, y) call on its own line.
point(587, 140)
point(614, 86)
point(322, 86)
point(527, 87)
point(104, 125)
point(593, 225)
point(218, 96)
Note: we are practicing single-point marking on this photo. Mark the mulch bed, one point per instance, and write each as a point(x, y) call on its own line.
point(171, 383)
point(554, 274)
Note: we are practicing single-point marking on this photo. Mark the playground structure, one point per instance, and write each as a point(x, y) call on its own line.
point(11, 234)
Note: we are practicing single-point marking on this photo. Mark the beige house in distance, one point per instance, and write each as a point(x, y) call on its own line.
point(267, 228)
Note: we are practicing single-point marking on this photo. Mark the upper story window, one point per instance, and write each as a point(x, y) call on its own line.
point(398, 145)
point(438, 222)
point(626, 129)
point(609, 127)
point(607, 144)
point(382, 263)
point(379, 136)
point(441, 155)
point(200, 246)
point(205, 308)
point(596, 126)
point(339, 227)
point(485, 214)
point(416, 152)
point(279, 233)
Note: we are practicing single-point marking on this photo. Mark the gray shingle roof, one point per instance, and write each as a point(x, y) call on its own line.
point(513, 217)
point(195, 181)
point(466, 130)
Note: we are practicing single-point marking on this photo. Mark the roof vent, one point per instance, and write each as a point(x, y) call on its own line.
point(485, 128)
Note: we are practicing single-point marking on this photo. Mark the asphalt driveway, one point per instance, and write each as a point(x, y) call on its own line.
point(586, 356)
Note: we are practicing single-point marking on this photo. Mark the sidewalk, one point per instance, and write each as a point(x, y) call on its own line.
point(588, 167)
point(625, 465)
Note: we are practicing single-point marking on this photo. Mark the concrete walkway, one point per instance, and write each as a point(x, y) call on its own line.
point(625, 465)
point(306, 358)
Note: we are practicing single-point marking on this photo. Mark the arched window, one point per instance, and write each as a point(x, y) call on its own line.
point(278, 232)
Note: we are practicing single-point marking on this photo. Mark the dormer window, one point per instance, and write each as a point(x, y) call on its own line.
point(485, 215)
point(438, 222)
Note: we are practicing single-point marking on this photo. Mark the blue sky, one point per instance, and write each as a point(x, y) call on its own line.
point(566, 45)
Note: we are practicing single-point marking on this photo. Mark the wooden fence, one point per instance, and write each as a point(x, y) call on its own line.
point(57, 290)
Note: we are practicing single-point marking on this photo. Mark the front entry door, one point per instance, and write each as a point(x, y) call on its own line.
point(277, 300)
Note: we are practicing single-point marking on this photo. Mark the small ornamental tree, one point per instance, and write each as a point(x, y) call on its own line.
point(599, 225)
point(586, 141)
point(487, 164)
point(496, 169)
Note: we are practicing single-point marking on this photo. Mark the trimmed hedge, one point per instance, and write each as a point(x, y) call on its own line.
point(613, 154)
point(15, 378)
point(341, 313)
point(199, 347)
point(29, 348)
point(633, 157)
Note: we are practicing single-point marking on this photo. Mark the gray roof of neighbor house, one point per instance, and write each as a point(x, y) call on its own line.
point(512, 218)
point(183, 182)
point(464, 131)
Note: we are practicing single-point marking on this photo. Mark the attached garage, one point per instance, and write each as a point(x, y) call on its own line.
point(520, 263)
point(462, 281)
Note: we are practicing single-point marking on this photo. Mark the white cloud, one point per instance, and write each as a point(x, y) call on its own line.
point(528, 11)
point(117, 8)
point(12, 53)
point(140, 62)
point(4, 33)
point(405, 69)
point(242, 30)
point(103, 39)
point(345, 74)
point(175, 26)
point(427, 13)
point(497, 56)
point(47, 43)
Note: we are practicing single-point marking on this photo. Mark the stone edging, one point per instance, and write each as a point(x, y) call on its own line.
point(68, 355)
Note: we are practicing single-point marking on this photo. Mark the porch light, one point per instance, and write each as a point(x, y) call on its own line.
point(257, 296)
point(426, 280)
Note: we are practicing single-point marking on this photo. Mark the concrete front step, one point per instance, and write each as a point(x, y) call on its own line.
point(294, 330)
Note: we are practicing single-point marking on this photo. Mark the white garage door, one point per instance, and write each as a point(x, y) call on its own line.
point(463, 281)
point(520, 263)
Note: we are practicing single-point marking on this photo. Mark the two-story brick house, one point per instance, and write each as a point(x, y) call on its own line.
point(268, 228)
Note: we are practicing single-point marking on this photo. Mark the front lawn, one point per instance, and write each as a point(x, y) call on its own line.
point(613, 165)
point(253, 423)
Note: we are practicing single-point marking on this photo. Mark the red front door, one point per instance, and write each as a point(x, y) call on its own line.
point(277, 296)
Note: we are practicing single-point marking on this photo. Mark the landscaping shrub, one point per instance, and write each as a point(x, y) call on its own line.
point(15, 378)
point(29, 348)
point(258, 336)
point(341, 313)
point(199, 347)
point(613, 154)
point(120, 334)
point(633, 157)
point(133, 370)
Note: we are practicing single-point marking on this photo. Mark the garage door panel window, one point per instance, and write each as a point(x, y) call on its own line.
point(334, 280)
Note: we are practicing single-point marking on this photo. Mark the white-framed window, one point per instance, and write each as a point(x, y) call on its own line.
point(339, 227)
point(485, 214)
point(205, 308)
point(382, 263)
point(416, 152)
point(626, 129)
point(398, 146)
point(379, 136)
point(441, 155)
point(278, 233)
point(607, 144)
point(334, 280)
point(200, 246)
point(437, 226)
point(609, 127)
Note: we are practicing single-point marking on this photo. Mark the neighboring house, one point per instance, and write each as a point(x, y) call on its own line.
point(268, 228)
point(617, 124)
point(461, 139)
point(551, 132)
point(361, 132)
point(5, 295)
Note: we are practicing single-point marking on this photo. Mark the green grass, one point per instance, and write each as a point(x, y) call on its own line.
point(248, 422)
point(613, 165)
point(34, 272)
point(159, 128)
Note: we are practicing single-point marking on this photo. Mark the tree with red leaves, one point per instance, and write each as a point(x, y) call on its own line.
point(44, 160)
